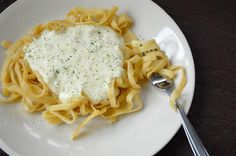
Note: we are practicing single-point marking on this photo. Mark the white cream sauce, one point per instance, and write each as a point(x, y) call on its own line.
point(84, 59)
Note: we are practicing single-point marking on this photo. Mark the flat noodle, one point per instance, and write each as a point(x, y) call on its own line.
point(142, 59)
point(90, 117)
point(68, 117)
point(112, 95)
point(6, 44)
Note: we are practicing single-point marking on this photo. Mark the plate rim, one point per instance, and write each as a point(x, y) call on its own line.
point(193, 72)
point(15, 4)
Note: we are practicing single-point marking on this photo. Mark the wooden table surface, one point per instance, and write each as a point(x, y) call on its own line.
point(210, 28)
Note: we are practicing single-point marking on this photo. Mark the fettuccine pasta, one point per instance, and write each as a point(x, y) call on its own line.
point(142, 59)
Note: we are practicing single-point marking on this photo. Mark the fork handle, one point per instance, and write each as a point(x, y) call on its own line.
point(194, 141)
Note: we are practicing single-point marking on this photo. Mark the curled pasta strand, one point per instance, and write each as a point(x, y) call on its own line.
point(112, 93)
point(90, 117)
point(131, 77)
point(68, 117)
point(178, 90)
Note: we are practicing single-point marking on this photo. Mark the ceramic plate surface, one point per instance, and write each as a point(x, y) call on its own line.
point(143, 133)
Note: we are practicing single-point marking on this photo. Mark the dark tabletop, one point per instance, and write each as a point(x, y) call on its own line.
point(210, 28)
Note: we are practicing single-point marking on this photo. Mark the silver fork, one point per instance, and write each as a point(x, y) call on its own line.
point(197, 147)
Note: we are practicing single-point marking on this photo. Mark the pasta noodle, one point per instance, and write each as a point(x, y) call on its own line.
point(142, 59)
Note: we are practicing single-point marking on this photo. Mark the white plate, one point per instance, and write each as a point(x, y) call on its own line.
point(142, 133)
